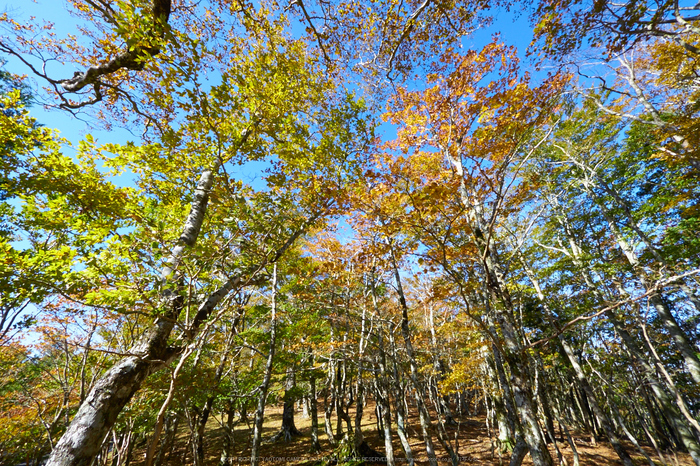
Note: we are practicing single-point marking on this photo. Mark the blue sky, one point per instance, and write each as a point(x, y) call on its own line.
point(512, 30)
point(71, 128)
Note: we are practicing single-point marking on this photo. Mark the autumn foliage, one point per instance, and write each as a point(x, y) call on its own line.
point(345, 205)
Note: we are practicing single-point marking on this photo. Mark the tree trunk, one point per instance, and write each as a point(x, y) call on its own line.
point(341, 390)
point(305, 404)
point(171, 424)
point(419, 389)
point(226, 458)
point(680, 338)
point(381, 380)
point(359, 410)
point(400, 397)
point(649, 374)
point(288, 429)
point(209, 403)
point(502, 309)
point(442, 403)
point(96, 416)
point(329, 405)
point(201, 428)
point(386, 428)
point(509, 427)
point(82, 440)
point(580, 376)
point(687, 437)
point(313, 412)
point(265, 386)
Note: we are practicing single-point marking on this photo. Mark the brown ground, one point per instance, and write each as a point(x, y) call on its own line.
point(474, 444)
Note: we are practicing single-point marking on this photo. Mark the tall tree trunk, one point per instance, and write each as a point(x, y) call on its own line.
point(329, 404)
point(172, 422)
point(313, 411)
point(510, 429)
point(385, 412)
point(360, 395)
point(502, 308)
point(160, 418)
point(201, 428)
point(340, 407)
point(359, 412)
point(209, 403)
point(442, 403)
point(419, 388)
point(543, 400)
point(400, 406)
point(580, 375)
point(383, 402)
point(82, 440)
point(265, 386)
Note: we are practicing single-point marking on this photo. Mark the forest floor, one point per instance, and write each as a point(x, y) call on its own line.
point(474, 444)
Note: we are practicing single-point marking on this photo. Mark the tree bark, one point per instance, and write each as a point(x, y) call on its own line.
point(288, 429)
point(419, 389)
point(265, 385)
point(98, 413)
point(313, 411)
point(400, 397)
point(383, 400)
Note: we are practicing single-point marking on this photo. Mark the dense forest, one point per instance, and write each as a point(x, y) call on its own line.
point(361, 209)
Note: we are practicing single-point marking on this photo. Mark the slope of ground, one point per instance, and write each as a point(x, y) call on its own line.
point(470, 435)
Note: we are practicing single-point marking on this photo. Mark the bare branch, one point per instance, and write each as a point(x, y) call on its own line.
point(650, 291)
point(313, 28)
point(407, 29)
point(133, 58)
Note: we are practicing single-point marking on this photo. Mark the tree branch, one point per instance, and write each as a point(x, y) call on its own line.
point(130, 59)
point(407, 29)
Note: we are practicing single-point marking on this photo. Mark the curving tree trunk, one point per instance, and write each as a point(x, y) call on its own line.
point(98, 413)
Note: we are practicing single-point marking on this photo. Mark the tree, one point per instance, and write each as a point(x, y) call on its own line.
point(288, 113)
point(545, 214)
point(478, 131)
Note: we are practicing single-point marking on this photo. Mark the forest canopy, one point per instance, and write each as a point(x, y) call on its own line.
point(362, 208)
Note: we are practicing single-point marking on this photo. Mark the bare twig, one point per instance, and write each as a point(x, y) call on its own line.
point(650, 291)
